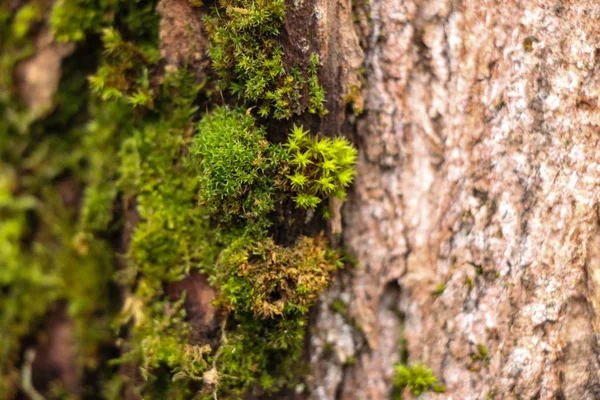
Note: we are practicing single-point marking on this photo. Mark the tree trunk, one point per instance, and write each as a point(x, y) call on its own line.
point(478, 171)
point(474, 217)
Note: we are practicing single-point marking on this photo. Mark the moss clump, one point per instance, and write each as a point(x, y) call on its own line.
point(236, 166)
point(124, 72)
point(322, 167)
point(249, 61)
point(172, 238)
point(219, 195)
point(44, 163)
point(72, 19)
point(418, 378)
point(26, 17)
point(101, 138)
point(481, 355)
point(15, 45)
point(135, 138)
point(483, 352)
point(240, 172)
point(339, 306)
point(270, 280)
point(260, 356)
point(164, 341)
point(267, 290)
point(17, 313)
point(439, 289)
point(316, 92)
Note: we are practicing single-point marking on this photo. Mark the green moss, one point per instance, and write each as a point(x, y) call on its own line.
point(270, 280)
point(124, 72)
point(469, 282)
point(49, 247)
point(73, 20)
point(350, 360)
point(25, 18)
point(44, 161)
point(355, 100)
point(236, 166)
point(339, 306)
point(321, 167)
point(16, 313)
point(39, 256)
point(418, 378)
point(482, 353)
point(172, 238)
point(232, 177)
point(124, 142)
point(101, 139)
point(439, 289)
point(267, 290)
point(250, 62)
point(163, 340)
point(315, 90)
point(259, 355)
point(15, 45)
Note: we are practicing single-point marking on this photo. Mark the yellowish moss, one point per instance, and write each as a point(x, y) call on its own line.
point(271, 280)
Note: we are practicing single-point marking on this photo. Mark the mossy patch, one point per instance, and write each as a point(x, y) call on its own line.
point(250, 63)
point(127, 138)
point(417, 378)
point(236, 166)
point(321, 167)
point(270, 280)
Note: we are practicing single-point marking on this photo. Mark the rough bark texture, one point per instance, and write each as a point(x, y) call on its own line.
point(325, 27)
point(182, 41)
point(478, 168)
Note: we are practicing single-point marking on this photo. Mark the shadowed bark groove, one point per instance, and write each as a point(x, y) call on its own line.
point(479, 168)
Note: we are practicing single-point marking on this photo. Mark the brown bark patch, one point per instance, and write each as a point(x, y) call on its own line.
point(37, 77)
point(199, 297)
point(327, 29)
point(182, 38)
point(56, 355)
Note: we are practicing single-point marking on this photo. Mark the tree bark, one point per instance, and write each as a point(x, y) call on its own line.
point(478, 169)
point(474, 218)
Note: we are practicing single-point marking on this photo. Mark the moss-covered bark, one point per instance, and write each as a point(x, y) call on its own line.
point(115, 199)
